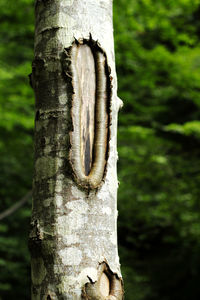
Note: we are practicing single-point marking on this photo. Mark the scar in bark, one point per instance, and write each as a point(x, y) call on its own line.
point(90, 111)
point(108, 286)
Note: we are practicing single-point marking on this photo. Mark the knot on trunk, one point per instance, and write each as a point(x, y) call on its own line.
point(108, 286)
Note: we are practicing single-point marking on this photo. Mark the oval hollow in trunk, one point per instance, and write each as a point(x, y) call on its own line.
point(90, 112)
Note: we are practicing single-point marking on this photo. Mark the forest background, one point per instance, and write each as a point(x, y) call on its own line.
point(157, 46)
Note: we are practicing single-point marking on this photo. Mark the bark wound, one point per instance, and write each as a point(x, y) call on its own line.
point(104, 285)
point(87, 84)
point(108, 286)
point(91, 85)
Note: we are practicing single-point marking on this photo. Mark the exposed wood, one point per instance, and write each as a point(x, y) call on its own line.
point(86, 76)
point(104, 285)
point(91, 86)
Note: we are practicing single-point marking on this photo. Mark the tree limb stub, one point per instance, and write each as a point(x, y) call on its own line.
point(107, 287)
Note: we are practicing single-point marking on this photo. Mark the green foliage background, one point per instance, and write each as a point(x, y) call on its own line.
point(157, 47)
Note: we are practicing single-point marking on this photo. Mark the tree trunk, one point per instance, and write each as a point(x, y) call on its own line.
point(73, 238)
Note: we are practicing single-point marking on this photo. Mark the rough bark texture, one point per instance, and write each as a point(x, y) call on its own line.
point(73, 238)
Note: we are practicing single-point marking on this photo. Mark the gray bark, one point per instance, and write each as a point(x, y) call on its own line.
point(73, 238)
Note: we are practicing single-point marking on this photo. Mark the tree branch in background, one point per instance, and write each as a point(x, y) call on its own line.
point(16, 206)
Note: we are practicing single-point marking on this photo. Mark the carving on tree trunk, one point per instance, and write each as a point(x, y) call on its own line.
point(91, 85)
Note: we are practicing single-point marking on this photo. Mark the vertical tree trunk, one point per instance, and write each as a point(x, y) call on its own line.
point(73, 238)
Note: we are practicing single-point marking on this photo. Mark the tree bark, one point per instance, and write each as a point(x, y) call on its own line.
point(73, 238)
